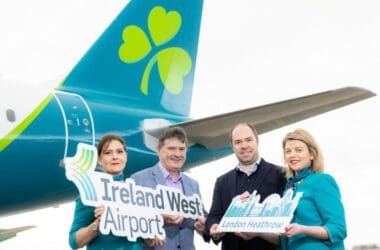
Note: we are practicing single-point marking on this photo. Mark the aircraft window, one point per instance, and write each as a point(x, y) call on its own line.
point(11, 115)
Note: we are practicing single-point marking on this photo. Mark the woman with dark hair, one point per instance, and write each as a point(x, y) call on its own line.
point(112, 157)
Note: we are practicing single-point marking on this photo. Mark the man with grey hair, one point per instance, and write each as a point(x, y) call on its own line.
point(171, 150)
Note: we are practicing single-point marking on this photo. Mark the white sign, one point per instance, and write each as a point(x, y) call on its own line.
point(130, 210)
point(272, 215)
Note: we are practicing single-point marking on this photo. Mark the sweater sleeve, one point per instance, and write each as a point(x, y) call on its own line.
point(330, 207)
point(216, 211)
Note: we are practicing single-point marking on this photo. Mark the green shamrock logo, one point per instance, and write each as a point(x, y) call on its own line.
point(174, 63)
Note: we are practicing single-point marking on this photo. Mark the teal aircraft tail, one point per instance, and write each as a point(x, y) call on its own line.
point(146, 56)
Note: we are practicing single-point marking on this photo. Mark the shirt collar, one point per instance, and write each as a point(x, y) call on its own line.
point(253, 169)
point(119, 177)
point(295, 180)
point(167, 174)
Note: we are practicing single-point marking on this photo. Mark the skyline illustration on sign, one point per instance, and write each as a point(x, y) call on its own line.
point(272, 215)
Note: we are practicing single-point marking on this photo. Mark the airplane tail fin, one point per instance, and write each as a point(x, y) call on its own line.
point(147, 55)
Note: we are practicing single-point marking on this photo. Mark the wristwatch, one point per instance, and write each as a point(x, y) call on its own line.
point(94, 226)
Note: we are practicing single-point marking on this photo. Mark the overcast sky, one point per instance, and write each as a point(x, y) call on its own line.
point(250, 53)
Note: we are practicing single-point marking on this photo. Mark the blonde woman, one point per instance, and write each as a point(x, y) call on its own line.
point(319, 220)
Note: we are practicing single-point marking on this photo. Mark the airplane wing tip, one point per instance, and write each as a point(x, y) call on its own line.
point(365, 92)
point(6, 234)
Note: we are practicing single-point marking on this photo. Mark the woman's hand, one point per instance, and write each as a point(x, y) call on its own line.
point(317, 232)
point(293, 229)
point(99, 211)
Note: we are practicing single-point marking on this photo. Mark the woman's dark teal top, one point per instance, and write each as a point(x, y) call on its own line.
point(320, 205)
point(84, 216)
